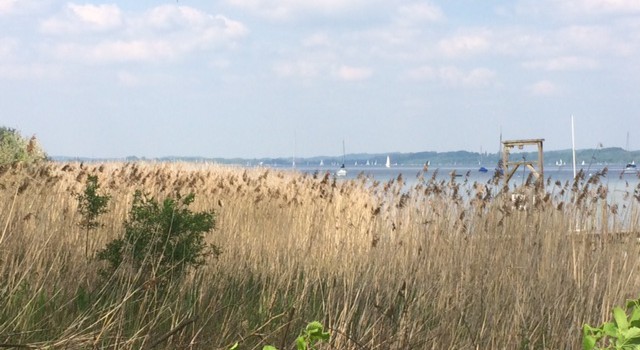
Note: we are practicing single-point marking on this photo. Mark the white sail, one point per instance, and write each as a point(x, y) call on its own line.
point(388, 164)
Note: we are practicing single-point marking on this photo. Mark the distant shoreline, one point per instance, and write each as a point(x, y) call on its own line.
point(602, 156)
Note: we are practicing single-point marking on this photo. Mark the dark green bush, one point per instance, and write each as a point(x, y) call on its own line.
point(161, 238)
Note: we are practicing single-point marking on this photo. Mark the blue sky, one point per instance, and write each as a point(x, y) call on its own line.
point(269, 78)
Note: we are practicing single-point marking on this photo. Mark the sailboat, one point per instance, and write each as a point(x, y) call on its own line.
point(630, 168)
point(343, 170)
point(482, 168)
point(388, 163)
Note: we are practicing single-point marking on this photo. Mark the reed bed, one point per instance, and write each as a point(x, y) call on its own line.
point(439, 265)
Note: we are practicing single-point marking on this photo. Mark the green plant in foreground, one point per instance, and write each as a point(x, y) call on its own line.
point(161, 238)
point(312, 334)
point(622, 333)
point(91, 205)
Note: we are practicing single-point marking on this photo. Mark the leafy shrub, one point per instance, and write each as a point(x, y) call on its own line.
point(311, 335)
point(91, 205)
point(15, 148)
point(622, 333)
point(161, 238)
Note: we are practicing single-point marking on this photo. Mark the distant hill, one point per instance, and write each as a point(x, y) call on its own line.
point(612, 155)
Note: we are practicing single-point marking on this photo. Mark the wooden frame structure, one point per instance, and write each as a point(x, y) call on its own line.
point(510, 167)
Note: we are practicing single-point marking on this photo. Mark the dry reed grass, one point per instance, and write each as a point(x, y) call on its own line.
point(439, 265)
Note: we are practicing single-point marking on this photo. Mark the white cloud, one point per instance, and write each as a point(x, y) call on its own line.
point(298, 69)
point(477, 77)
point(163, 33)
point(289, 9)
point(24, 71)
point(8, 6)
point(350, 73)
point(422, 73)
point(420, 12)
point(320, 68)
point(317, 40)
point(543, 88)
point(465, 44)
point(79, 18)
point(453, 76)
point(120, 51)
point(565, 63)
point(598, 7)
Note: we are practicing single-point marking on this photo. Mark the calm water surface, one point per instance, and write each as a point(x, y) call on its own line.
point(617, 182)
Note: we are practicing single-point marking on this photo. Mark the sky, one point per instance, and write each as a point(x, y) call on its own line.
point(282, 78)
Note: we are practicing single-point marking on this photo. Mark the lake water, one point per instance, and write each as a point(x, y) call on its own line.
point(617, 182)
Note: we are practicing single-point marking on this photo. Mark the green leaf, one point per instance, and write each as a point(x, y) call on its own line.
point(588, 342)
point(632, 336)
point(314, 327)
point(234, 346)
point(621, 318)
point(301, 344)
point(269, 347)
point(635, 315)
point(610, 329)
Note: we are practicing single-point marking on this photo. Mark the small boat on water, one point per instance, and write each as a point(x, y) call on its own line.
point(388, 163)
point(482, 168)
point(630, 168)
point(342, 172)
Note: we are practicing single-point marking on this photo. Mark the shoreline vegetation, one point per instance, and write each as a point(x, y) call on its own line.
point(440, 265)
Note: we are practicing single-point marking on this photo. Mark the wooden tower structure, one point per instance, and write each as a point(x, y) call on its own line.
point(510, 167)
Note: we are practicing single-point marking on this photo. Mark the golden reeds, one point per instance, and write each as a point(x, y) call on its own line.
point(438, 264)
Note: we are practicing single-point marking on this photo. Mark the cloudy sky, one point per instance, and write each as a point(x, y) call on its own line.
point(254, 78)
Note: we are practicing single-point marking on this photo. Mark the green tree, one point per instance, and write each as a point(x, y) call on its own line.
point(91, 205)
point(161, 238)
point(15, 148)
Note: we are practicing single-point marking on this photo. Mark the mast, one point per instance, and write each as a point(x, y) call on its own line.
point(627, 145)
point(343, 153)
point(293, 160)
point(573, 146)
